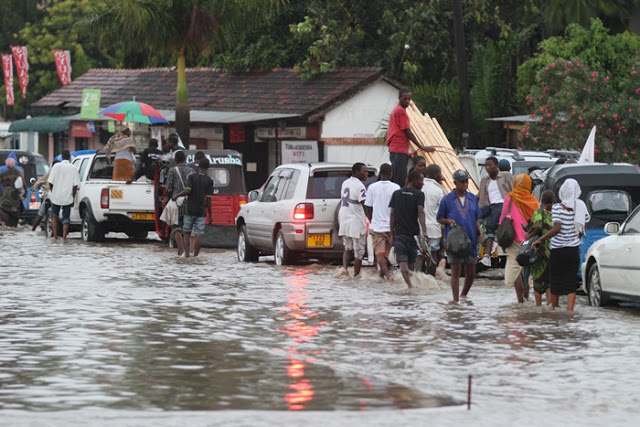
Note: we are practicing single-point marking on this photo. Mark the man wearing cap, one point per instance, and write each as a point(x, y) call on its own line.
point(493, 188)
point(504, 165)
point(433, 195)
point(399, 136)
point(461, 207)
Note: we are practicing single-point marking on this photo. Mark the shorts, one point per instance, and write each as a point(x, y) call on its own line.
point(66, 212)
point(381, 242)
point(178, 226)
point(355, 244)
point(492, 214)
point(406, 249)
point(434, 244)
point(453, 259)
point(193, 225)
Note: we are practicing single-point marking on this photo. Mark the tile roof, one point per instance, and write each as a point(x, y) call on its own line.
point(271, 91)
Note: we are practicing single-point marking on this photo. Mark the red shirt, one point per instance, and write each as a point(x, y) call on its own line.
point(396, 138)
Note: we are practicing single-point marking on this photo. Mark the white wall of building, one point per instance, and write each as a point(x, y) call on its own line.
point(362, 116)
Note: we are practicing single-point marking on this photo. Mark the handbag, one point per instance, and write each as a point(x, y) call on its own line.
point(526, 254)
point(458, 243)
point(505, 234)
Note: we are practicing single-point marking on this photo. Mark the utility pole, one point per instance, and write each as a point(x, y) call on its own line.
point(463, 79)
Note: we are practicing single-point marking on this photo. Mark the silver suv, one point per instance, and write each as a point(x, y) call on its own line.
point(294, 214)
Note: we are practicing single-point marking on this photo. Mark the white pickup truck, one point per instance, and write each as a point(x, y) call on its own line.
point(102, 205)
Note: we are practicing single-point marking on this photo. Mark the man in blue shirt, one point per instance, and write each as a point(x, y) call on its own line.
point(461, 207)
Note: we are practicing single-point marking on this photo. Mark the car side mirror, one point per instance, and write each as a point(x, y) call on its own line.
point(612, 228)
point(253, 195)
point(32, 181)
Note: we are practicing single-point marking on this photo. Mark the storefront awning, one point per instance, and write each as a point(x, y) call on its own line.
point(201, 116)
point(41, 124)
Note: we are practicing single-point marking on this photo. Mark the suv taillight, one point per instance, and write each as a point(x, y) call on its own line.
point(104, 198)
point(32, 198)
point(303, 211)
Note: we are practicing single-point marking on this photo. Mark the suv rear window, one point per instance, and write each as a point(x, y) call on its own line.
point(607, 202)
point(326, 184)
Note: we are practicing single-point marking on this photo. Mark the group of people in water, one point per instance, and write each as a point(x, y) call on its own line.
point(417, 219)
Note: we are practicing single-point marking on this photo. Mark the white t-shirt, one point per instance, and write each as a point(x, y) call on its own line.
point(63, 176)
point(351, 216)
point(494, 192)
point(378, 198)
point(433, 194)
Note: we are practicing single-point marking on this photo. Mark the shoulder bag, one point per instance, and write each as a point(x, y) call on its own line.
point(180, 200)
point(505, 234)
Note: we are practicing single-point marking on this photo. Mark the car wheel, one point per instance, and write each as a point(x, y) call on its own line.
point(246, 252)
point(596, 296)
point(91, 231)
point(282, 254)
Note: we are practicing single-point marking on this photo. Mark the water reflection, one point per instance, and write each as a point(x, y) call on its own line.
point(299, 326)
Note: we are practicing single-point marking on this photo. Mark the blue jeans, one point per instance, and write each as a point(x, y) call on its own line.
point(66, 212)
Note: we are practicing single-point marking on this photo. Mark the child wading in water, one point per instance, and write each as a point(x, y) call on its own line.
point(541, 223)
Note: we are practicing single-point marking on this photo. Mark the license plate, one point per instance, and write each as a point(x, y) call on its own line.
point(34, 205)
point(318, 240)
point(142, 216)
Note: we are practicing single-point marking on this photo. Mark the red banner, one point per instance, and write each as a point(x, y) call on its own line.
point(63, 65)
point(22, 67)
point(7, 67)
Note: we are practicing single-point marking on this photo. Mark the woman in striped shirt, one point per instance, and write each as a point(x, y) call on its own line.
point(569, 218)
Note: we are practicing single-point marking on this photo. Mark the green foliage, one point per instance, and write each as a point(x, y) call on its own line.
point(559, 14)
point(571, 97)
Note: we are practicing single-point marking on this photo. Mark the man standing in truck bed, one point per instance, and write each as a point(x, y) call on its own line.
point(399, 136)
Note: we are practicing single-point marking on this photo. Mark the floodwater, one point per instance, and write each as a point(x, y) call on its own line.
point(127, 333)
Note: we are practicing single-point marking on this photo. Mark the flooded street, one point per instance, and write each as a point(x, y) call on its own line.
point(125, 332)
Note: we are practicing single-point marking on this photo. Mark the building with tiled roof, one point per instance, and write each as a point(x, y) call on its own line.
point(341, 112)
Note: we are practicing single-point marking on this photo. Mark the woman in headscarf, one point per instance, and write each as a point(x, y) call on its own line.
point(10, 196)
point(520, 205)
point(124, 148)
point(569, 219)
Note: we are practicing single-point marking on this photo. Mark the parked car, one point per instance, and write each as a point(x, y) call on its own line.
point(294, 214)
point(611, 270)
point(34, 166)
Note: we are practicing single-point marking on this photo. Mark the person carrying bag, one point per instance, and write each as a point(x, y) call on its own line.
point(518, 208)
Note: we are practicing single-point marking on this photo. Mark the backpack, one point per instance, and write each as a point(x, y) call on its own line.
point(505, 234)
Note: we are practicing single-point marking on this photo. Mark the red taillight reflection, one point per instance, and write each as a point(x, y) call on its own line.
point(303, 211)
point(32, 198)
point(104, 198)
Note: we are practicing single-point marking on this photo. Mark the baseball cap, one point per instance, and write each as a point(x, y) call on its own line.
point(504, 164)
point(460, 175)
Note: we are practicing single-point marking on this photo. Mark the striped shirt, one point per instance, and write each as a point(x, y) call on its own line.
point(568, 236)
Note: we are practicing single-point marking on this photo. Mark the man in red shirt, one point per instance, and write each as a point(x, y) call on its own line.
point(398, 136)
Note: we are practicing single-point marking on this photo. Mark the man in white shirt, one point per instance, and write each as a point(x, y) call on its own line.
point(376, 207)
point(353, 226)
point(433, 194)
point(63, 184)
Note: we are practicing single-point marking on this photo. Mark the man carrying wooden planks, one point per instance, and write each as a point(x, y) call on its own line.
point(399, 137)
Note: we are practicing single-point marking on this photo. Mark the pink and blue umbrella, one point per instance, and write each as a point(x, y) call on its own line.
point(133, 111)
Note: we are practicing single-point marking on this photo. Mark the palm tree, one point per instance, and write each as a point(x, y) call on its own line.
point(182, 28)
point(559, 13)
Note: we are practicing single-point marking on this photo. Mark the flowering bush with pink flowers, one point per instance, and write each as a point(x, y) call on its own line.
point(571, 95)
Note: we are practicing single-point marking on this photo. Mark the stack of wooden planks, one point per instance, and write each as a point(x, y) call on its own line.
point(428, 131)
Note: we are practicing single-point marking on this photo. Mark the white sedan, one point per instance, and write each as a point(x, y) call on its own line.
point(611, 270)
